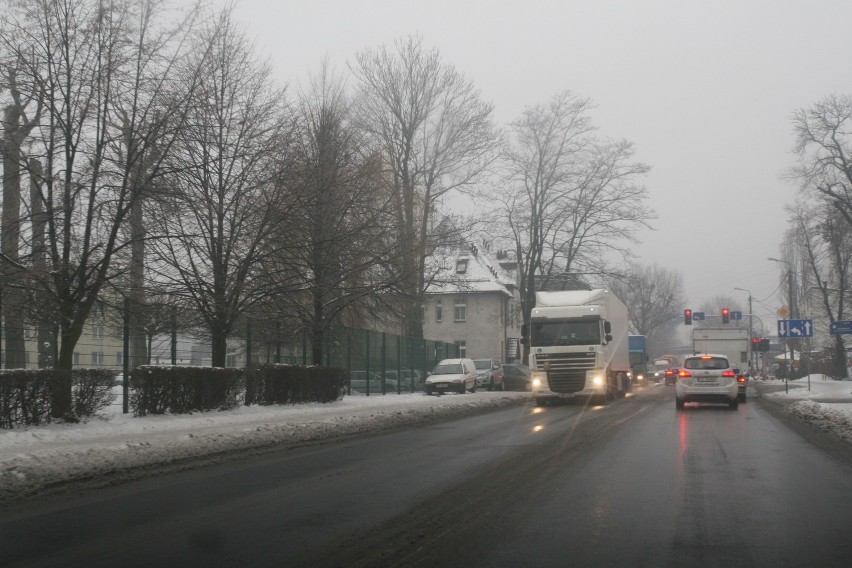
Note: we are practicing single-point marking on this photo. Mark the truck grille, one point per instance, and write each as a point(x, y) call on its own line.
point(566, 372)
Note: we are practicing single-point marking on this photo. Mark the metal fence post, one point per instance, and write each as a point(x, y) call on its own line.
point(248, 343)
point(174, 336)
point(125, 403)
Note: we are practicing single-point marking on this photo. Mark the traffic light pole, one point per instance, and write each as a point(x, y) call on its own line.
point(750, 334)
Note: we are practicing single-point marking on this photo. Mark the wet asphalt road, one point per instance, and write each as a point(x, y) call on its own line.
point(635, 483)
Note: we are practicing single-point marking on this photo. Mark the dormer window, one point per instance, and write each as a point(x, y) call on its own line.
point(461, 266)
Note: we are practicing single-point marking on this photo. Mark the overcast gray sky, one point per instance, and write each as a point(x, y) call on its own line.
point(704, 89)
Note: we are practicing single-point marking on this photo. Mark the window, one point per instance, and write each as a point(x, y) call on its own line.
point(98, 309)
point(462, 345)
point(231, 361)
point(460, 310)
point(461, 266)
point(439, 310)
point(119, 358)
point(97, 357)
point(97, 331)
point(76, 358)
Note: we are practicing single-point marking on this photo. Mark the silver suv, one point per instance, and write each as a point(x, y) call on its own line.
point(706, 378)
point(489, 374)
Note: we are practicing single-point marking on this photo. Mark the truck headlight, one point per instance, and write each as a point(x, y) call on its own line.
point(537, 379)
point(598, 380)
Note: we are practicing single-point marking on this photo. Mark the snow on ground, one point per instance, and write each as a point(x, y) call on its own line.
point(33, 459)
point(821, 401)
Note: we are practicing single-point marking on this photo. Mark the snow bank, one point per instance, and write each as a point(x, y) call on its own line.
point(120, 447)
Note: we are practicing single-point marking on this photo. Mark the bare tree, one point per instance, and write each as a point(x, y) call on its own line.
point(342, 251)
point(824, 145)
point(101, 73)
point(567, 198)
point(712, 309)
point(435, 134)
point(653, 295)
point(825, 239)
point(227, 188)
point(17, 125)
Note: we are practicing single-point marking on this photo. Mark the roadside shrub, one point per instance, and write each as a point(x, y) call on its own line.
point(293, 384)
point(181, 390)
point(91, 391)
point(25, 395)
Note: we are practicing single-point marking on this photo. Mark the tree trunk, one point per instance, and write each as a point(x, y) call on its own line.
point(13, 294)
point(139, 354)
point(60, 389)
point(838, 358)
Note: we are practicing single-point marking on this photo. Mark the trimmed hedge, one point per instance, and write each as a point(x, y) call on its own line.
point(25, 395)
point(182, 390)
point(292, 384)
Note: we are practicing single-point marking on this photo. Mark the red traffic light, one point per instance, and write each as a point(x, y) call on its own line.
point(726, 315)
point(687, 317)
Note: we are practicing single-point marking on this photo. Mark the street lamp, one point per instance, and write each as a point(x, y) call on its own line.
point(750, 327)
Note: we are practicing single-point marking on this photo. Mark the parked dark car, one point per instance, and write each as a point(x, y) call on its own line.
point(516, 377)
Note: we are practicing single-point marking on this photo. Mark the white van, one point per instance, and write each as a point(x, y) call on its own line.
point(452, 375)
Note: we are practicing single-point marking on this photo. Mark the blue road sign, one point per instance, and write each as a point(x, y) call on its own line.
point(698, 316)
point(840, 327)
point(736, 315)
point(795, 328)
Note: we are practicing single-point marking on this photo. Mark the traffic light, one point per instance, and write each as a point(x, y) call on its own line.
point(726, 315)
point(687, 317)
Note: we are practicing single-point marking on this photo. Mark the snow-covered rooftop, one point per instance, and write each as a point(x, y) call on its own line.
point(457, 269)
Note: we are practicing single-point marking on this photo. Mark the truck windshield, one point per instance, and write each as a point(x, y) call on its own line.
point(544, 334)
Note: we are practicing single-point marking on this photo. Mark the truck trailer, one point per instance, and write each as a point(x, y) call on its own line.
point(578, 346)
point(732, 342)
point(638, 345)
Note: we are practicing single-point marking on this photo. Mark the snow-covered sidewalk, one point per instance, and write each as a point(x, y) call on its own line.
point(34, 458)
point(819, 400)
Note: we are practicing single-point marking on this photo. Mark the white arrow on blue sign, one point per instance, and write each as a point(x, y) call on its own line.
point(795, 328)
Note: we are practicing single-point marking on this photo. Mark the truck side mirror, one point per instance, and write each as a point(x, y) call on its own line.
point(608, 338)
point(608, 330)
point(523, 341)
point(524, 330)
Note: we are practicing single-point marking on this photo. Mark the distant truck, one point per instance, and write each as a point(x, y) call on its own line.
point(578, 346)
point(637, 347)
point(732, 342)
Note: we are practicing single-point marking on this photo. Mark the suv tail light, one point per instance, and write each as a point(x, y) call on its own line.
point(683, 373)
point(729, 373)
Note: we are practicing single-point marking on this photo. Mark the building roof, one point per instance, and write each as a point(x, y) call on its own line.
point(468, 268)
